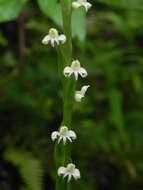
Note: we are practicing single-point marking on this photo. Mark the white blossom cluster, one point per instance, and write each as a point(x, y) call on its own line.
point(64, 134)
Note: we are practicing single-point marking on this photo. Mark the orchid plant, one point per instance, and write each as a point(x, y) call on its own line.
point(69, 71)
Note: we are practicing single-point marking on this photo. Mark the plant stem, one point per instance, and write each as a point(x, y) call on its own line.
point(63, 152)
point(68, 84)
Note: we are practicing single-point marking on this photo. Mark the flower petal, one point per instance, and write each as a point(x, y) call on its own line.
point(69, 139)
point(66, 174)
point(60, 138)
point(69, 177)
point(68, 71)
point(46, 40)
point(54, 135)
point(62, 38)
point(87, 5)
point(72, 134)
point(78, 96)
point(52, 42)
point(82, 72)
point(76, 174)
point(76, 5)
point(62, 170)
point(56, 40)
point(84, 89)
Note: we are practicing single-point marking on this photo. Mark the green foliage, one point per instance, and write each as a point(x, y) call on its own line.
point(30, 168)
point(108, 121)
point(128, 4)
point(10, 9)
point(50, 8)
point(78, 24)
point(3, 40)
point(116, 109)
point(53, 10)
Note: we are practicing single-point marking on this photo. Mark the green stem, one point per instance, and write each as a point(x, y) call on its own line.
point(66, 51)
point(66, 13)
point(63, 153)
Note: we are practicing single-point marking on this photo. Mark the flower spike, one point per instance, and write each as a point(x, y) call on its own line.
point(63, 134)
point(80, 94)
point(80, 3)
point(69, 171)
point(54, 38)
point(75, 69)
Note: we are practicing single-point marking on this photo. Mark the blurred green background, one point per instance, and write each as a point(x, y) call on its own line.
point(109, 122)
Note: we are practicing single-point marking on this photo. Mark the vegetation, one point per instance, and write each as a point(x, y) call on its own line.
point(108, 121)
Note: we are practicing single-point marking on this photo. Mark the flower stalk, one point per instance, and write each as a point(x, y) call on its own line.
point(69, 71)
point(63, 152)
point(66, 53)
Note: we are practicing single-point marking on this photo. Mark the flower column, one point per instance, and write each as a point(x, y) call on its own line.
point(69, 71)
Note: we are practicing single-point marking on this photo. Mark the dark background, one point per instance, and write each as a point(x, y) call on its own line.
point(109, 122)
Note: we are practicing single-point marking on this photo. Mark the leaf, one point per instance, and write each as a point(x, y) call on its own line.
point(137, 82)
point(10, 9)
point(53, 10)
point(3, 40)
point(116, 108)
point(30, 168)
point(78, 23)
point(128, 4)
point(116, 114)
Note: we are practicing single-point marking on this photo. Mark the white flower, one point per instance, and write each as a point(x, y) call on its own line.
point(80, 3)
point(54, 37)
point(80, 94)
point(70, 171)
point(63, 134)
point(76, 69)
